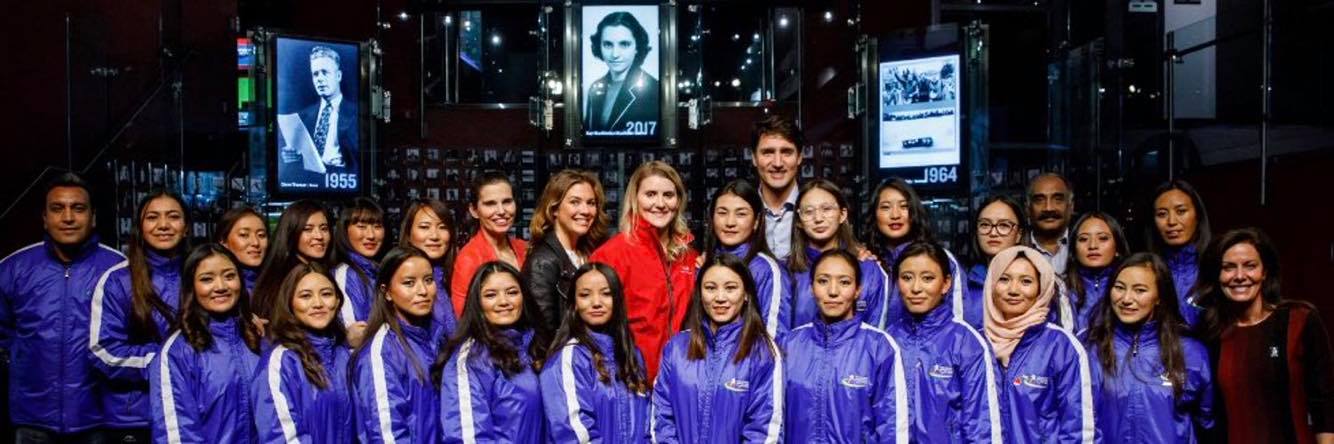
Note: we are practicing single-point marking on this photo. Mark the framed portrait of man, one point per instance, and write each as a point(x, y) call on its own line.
point(319, 109)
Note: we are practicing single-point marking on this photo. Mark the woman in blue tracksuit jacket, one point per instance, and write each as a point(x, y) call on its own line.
point(721, 379)
point(199, 384)
point(488, 369)
point(133, 308)
point(595, 387)
point(1179, 233)
point(898, 219)
point(999, 223)
point(822, 224)
point(951, 376)
point(845, 378)
point(1157, 385)
point(737, 228)
point(429, 226)
point(358, 239)
point(396, 401)
point(300, 391)
point(1047, 382)
point(1098, 245)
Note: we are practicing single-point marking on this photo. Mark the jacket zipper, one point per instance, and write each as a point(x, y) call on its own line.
point(64, 327)
point(1134, 345)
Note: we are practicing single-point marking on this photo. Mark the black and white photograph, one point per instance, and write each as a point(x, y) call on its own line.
point(318, 94)
point(620, 71)
point(919, 118)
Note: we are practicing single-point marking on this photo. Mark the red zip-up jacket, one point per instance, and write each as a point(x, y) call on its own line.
point(657, 293)
point(476, 252)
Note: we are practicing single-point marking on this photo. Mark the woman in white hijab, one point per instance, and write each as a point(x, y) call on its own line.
point(1045, 374)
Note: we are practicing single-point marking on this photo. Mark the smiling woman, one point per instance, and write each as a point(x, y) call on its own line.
point(1271, 354)
point(494, 209)
point(302, 237)
point(567, 226)
point(135, 306)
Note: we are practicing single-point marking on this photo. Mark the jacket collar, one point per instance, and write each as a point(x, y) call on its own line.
point(1181, 257)
point(891, 254)
point(553, 242)
point(725, 334)
point(603, 341)
point(323, 344)
point(645, 233)
point(933, 320)
point(167, 266)
point(419, 335)
point(740, 250)
point(1147, 333)
point(1090, 275)
point(364, 263)
point(519, 338)
point(977, 274)
point(833, 334)
point(223, 327)
point(85, 249)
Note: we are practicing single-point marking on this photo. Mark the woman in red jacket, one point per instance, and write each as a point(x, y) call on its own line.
point(652, 255)
point(494, 208)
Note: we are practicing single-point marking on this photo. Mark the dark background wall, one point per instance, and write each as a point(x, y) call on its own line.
point(150, 45)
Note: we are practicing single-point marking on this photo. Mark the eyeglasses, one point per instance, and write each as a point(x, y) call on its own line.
point(808, 213)
point(1003, 228)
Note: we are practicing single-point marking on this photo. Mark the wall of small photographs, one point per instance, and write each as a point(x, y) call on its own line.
point(207, 195)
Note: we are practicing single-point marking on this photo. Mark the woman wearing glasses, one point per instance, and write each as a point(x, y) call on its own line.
point(823, 225)
point(1000, 224)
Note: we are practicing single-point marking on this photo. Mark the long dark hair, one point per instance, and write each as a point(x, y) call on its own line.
point(630, 369)
point(1170, 326)
point(1202, 231)
point(758, 243)
point(474, 326)
point(384, 313)
point(975, 253)
point(194, 319)
point(919, 221)
point(286, 330)
point(282, 254)
point(144, 298)
point(1072, 280)
point(752, 330)
point(1220, 313)
point(797, 261)
point(442, 212)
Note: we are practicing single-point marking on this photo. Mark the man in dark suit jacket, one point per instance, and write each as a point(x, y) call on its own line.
point(337, 142)
point(626, 99)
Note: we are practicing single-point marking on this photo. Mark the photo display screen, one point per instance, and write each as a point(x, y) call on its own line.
point(919, 119)
point(619, 72)
point(318, 122)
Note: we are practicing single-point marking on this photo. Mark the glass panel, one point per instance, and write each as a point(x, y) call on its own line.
point(734, 54)
point(494, 53)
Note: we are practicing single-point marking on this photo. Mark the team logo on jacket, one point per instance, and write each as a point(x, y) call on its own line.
point(1033, 381)
point(855, 381)
point(737, 385)
point(861, 305)
point(940, 371)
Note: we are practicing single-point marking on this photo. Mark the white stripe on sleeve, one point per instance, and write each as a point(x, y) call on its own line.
point(381, 387)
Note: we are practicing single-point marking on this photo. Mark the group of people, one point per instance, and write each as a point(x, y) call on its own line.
point(782, 324)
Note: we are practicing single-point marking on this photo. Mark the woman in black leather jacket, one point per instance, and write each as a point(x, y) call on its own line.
point(570, 223)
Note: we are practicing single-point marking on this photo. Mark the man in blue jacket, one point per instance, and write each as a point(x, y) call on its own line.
point(43, 326)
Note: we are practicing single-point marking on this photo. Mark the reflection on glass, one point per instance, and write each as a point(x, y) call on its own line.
point(490, 54)
point(738, 53)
